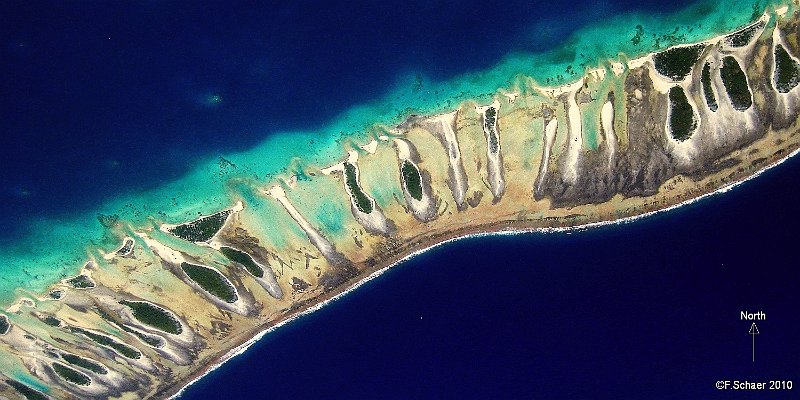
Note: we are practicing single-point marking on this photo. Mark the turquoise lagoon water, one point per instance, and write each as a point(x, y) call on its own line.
point(55, 247)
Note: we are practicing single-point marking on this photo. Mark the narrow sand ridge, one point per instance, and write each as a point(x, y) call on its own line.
point(424, 208)
point(494, 154)
point(372, 219)
point(443, 127)
point(607, 123)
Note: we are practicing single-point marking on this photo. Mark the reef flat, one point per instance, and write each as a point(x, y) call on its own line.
point(634, 137)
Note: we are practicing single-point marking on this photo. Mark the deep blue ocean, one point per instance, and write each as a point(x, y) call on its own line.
point(645, 310)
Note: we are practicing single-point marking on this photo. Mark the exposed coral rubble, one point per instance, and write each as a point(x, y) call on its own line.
point(624, 140)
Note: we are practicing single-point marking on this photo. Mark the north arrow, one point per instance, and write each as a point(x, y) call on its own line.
point(753, 332)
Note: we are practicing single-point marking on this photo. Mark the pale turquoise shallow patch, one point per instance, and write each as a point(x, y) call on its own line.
point(55, 249)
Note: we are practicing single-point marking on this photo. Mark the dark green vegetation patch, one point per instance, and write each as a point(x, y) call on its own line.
point(81, 282)
point(211, 281)
point(708, 92)
point(154, 316)
point(85, 363)
point(154, 341)
point(244, 260)
point(787, 75)
point(490, 117)
point(681, 118)
point(70, 375)
point(56, 294)
point(735, 84)
point(29, 393)
point(52, 321)
point(126, 247)
point(412, 179)
point(203, 229)
point(104, 315)
point(123, 349)
point(363, 203)
point(677, 62)
point(745, 36)
point(4, 325)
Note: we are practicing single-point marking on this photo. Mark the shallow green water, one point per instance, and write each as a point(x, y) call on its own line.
point(57, 248)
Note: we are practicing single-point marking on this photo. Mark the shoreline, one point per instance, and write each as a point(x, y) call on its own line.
point(244, 346)
point(51, 259)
